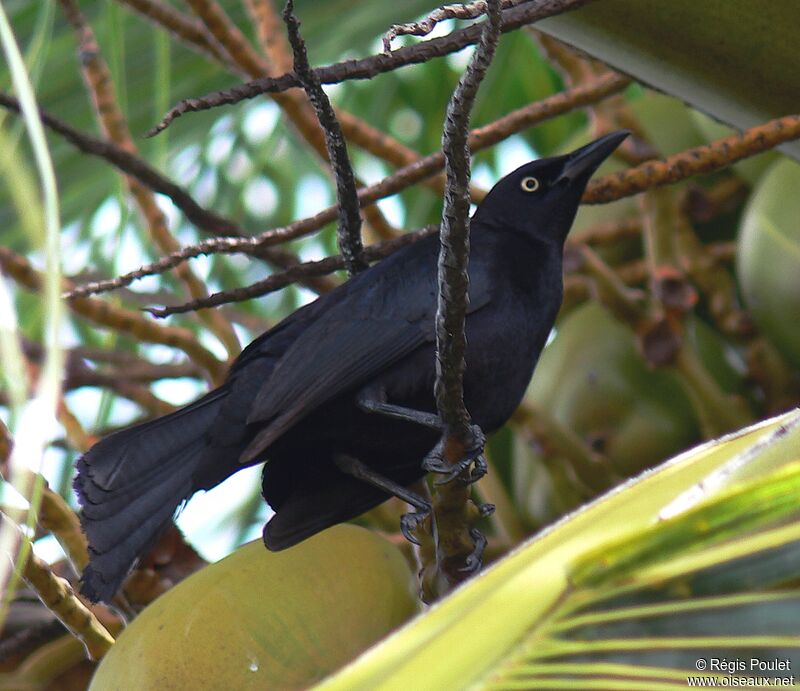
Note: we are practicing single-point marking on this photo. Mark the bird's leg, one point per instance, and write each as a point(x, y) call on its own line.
point(374, 401)
point(408, 522)
point(435, 461)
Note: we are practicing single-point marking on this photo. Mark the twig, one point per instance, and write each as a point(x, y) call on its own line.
point(471, 10)
point(668, 284)
point(718, 412)
point(592, 469)
point(269, 30)
point(294, 106)
point(58, 518)
point(54, 514)
point(608, 232)
point(58, 596)
point(293, 274)
point(452, 515)
point(228, 35)
point(631, 273)
point(116, 318)
point(575, 68)
point(702, 159)
point(348, 231)
point(367, 68)
point(124, 380)
point(97, 77)
point(480, 138)
point(193, 33)
point(135, 166)
point(5, 448)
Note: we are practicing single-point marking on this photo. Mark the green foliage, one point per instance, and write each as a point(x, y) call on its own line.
point(699, 557)
point(732, 59)
point(630, 591)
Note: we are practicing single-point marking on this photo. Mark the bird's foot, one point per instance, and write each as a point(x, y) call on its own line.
point(472, 466)
point(474, 560)
point(410, 523)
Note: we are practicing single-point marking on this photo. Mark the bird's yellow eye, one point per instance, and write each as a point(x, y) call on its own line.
point(529, 184)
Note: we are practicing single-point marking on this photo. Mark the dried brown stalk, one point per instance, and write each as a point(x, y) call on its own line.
point(480, 138)
point(124, 321)
point(702, 159)
point(58, 596)
point(97, 77)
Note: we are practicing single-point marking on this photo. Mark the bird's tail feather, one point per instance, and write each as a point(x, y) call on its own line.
point(131, 483)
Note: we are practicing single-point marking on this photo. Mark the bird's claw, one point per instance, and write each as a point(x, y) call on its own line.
point(473, 454)
point(450, 473)
point(409, 523)
point(486, 510)
point(473, 561)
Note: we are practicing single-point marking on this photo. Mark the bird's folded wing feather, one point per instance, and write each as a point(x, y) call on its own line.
point(359, 337)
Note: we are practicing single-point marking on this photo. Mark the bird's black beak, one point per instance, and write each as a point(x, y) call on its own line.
point(582, 162)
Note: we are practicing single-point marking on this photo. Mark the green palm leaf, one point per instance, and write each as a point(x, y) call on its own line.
point(697, 560)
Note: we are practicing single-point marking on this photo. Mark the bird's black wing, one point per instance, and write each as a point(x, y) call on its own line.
point(383, 317)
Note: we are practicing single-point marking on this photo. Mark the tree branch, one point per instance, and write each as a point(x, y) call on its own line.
point(425, 26)
point(116, 318)
point(702, 159)
point(367, 68)
point(193, 33)
point(58, 596)
point(293, 274)
point(453, 520)
point(99, 83)
point(135, 166)
point(348, 231)
point(479, 139)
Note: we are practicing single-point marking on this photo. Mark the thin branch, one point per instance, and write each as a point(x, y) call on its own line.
point(702, 159)
point(269, 30)
point(609, 232)
point(367, 68)
point(348, 230)
point(592, 469)
point(58, 596)
point(228, 35)
point(121, 320)
point(57, 517)
point(453, 518)
point(294, 105)
point(423, 27)
point(294, 274)
point(54, 514)
point(633, 273)
point(191, 32)
point(135, 166)
point(718, 411)
point(196, 35)
point(602, 233)
point(479, 139)
point(99, 83)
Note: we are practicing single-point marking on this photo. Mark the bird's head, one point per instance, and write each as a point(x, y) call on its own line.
point(541, 198)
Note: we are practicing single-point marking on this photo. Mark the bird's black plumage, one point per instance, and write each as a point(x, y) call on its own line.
point(292, 398)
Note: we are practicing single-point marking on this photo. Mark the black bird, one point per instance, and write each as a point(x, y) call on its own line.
point(331, 391)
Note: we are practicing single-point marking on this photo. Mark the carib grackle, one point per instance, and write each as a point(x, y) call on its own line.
point(338, 397)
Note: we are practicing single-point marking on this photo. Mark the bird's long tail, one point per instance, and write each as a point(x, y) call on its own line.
point(130, 484)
